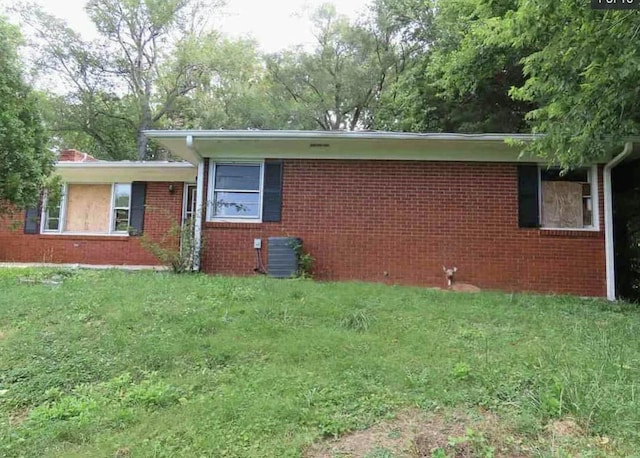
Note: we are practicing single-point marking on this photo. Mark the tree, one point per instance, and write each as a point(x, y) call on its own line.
point(579, 72)
point(337, 85)
point(238, 95)
point(433, 91)
point(149, 54)
point(26, 163)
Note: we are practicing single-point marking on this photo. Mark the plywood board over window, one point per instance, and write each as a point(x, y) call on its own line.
point(88, 208)
point(562, 204)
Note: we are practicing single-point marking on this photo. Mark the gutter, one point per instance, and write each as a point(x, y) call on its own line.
point(608, 219)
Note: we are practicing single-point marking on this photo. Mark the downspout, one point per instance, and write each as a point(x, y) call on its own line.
point(608, 220)
point(197, 223)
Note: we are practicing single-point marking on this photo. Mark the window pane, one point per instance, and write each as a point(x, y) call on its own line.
point(238, 177)
point(578, 175)
point(122, 193)
point(53, 224)
point(53, 212)
point(566, 199)
point(237, 204)
point(121, 220)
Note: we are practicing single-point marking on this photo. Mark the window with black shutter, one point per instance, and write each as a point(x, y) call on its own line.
point(528, 196)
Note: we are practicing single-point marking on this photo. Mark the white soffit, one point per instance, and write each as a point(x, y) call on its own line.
point(341, 145)
point(113, 172)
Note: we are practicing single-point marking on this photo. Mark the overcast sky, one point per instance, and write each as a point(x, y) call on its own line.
point(275, 24)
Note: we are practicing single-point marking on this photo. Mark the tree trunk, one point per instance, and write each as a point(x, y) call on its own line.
point(146, 121)
point(141, 143)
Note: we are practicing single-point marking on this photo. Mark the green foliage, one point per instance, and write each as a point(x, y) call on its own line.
point(475, 441)
point(357, 320)
point(432, 90)
point(26, 164)
point(305, 261)
point(190, 365)
point(571, 69)
point(177, 248)
point(148, 58)
point(380, 452)
point(337, 85)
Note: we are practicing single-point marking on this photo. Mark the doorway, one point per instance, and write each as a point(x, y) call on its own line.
point(189, 203)
point(626, 229)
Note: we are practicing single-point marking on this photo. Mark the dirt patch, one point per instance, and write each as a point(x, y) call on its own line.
point(6, 334)
point(565, 428)
point(17, 417)
point(122, 452)
point(413, 434)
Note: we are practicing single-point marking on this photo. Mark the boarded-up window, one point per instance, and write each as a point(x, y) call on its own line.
point(566, 199)
point(88, 208)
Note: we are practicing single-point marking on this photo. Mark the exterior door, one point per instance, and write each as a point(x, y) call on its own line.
point(189, 203)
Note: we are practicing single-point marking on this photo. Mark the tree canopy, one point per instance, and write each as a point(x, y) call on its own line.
point(26, 163)
point(554, 68)
point(147, 57)
point(570, 70)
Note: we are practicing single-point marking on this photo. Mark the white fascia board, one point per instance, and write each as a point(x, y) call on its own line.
point(312, 134)
point(125, 164)
point(112, 172)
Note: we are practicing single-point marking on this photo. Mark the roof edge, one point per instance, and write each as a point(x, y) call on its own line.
point(307, 134)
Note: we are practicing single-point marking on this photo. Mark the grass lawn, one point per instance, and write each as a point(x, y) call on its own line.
point(112, 363)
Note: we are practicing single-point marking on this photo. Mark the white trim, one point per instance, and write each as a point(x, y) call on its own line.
point(124, 165)
point(109, 229)
point(595, 203)
point(185, 199)
point(112, 219)
point(61, 213)
point(197, 231)
point(211, 192)
point(88, 234)
point(191, 135)
point(608, 220)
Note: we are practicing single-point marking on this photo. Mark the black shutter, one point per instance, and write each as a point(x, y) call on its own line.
point(32, 220)
point(136, 218)
point(272, 188)
point(528, 204)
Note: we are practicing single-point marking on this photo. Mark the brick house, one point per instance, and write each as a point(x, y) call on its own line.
point(372, 206)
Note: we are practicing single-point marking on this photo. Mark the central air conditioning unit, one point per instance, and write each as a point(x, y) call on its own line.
point(283, 256)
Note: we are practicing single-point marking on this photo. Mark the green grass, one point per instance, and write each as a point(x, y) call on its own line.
point(150, 364)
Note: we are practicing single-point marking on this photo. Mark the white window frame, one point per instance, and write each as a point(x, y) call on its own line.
point(211, 193)
point(595, 202)
point(185, 200)
point(63, 214)
point(112, 216)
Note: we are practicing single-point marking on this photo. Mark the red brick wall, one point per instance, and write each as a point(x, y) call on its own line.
point(399, 222)
point(162, 207)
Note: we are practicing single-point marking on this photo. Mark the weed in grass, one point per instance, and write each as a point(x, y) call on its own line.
point(358, 320)
point(380, 452)
point(461, 371)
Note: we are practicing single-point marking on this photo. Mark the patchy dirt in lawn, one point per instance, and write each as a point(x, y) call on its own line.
point(565, 428)
point(17, 417)
point(416, 435)
point(6, 334)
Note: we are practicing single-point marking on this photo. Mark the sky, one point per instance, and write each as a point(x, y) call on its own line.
point(275, 24)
